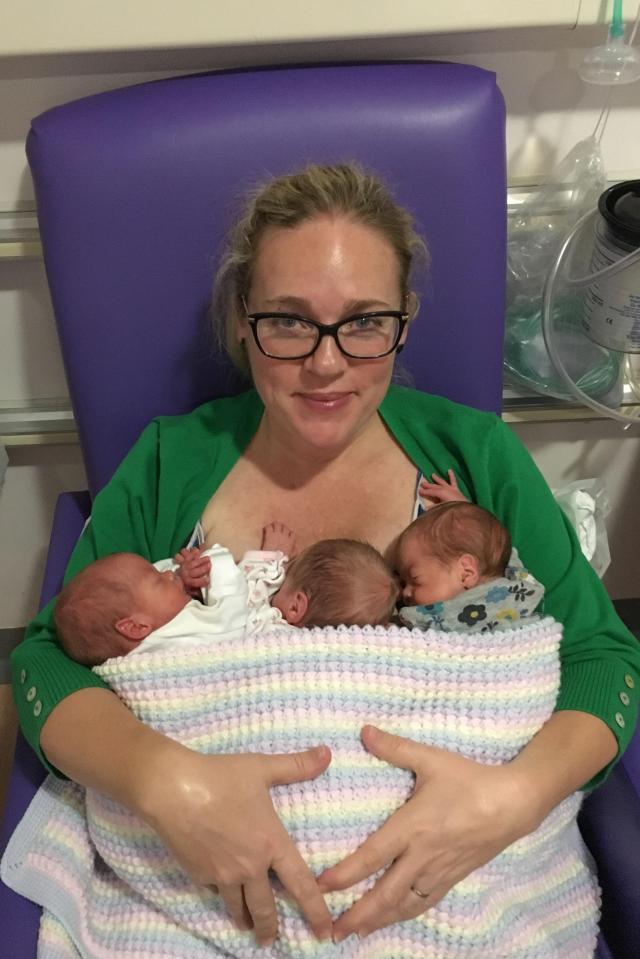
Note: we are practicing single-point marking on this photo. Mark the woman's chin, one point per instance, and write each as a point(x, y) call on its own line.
point(326, 439)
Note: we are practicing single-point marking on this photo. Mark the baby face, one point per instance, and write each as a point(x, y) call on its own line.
point(159, 596)
point(425, 578)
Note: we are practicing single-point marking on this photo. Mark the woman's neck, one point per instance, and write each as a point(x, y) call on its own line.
point(291, 463)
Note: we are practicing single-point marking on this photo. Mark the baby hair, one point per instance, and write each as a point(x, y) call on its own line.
point(347, 582)
point(89, 606)
point(449, 530)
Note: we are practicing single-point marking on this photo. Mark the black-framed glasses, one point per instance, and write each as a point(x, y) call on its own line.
point(364, 336)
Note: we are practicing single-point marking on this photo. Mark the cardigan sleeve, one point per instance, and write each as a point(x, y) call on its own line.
point(600, 658)
point(122, 520)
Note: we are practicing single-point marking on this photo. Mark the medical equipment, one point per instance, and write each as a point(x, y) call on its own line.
point(606, 297)
point(536, 233)
point(615, 62)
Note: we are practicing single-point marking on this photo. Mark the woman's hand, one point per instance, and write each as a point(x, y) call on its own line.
point(216, 816)
point(461, 815)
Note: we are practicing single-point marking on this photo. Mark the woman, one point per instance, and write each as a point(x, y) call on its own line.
point(315, 293)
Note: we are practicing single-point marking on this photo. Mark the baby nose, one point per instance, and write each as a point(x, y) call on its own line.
point(406, 592)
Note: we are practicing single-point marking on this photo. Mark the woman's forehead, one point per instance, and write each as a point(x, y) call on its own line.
point(352, 258)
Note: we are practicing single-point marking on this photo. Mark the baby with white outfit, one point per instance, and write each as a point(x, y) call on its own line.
point(122, 604)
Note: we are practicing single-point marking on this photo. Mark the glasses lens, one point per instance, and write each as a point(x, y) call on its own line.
point(285, 336)
point(369, 335)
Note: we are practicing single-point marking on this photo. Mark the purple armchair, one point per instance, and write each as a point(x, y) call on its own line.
point(135, 189)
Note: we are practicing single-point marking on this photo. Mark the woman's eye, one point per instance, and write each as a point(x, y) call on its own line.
point(285, 322)
point(279, 325)
point(366, 324)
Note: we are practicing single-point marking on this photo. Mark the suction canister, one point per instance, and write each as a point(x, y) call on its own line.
point(612, 304)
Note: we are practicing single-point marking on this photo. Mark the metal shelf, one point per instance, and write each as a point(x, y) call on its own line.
point(37, 423)
point(19, 234)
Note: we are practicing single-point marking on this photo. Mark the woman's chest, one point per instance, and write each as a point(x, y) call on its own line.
point(375, 505)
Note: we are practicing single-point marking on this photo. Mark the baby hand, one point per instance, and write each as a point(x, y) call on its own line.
point(277, 536)
point(441, 490)
point(193, 568)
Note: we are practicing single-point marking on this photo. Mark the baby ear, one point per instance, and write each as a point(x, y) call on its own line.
point(133, 629)
point(296, 608)
point(469, 571)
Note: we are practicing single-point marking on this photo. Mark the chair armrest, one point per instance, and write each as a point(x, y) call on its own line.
point(71, 513)
point(610, 824)
point(19, 918)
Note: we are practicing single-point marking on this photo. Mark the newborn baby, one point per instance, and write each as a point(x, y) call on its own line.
point(122, 603)
point(458, 569)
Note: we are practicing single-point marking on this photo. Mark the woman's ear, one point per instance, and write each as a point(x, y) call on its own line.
point(469, 571)
point(242, 325)
point(412, 305)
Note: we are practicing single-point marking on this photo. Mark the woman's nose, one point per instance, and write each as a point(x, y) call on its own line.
point(327, 358)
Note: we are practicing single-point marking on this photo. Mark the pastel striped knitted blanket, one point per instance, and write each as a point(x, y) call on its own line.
point(117, 892)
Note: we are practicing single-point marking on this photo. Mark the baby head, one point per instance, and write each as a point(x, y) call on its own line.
point(110, 606)
point(338, 582)
point(450, 548)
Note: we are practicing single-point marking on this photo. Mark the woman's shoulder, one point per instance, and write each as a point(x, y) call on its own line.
point(228, 415)
point(437, 414)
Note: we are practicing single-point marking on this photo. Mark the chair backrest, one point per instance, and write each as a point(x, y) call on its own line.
point(136, 188)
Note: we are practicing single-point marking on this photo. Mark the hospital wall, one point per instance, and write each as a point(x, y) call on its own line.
point(549, 109)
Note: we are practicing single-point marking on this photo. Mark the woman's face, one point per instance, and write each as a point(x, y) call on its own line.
point(326, 269)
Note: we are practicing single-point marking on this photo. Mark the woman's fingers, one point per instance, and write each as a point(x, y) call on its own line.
point(392, 899)
point(220, 823)
point(233, 899)
point(397, 750)
point(375, 853)
point(460, 816)
point(297, 879)
point(261, 907)
point(283, 768)
point(390, 841)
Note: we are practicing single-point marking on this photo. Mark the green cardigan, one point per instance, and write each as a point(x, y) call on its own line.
point(159, 492)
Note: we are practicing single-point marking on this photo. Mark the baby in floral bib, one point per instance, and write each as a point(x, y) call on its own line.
point(459, 571)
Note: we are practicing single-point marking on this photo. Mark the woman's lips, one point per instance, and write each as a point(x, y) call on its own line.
point(325, 401)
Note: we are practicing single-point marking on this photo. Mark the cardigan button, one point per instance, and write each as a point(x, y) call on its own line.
point(37, 709)
point(23, 676)
point(629, 680)
point(624, 698)
point(620, 720)
point(31, 694)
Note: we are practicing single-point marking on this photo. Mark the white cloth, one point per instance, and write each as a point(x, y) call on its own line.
point(235, 603)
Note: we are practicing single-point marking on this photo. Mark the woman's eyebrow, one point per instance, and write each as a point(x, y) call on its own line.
point(300, 305)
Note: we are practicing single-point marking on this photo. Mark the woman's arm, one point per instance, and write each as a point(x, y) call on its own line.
point(570, 750)
point(462, 814)
point(200, 806)
point(599, 657)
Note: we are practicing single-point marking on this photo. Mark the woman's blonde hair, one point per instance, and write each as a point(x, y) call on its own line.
point(287, 201)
